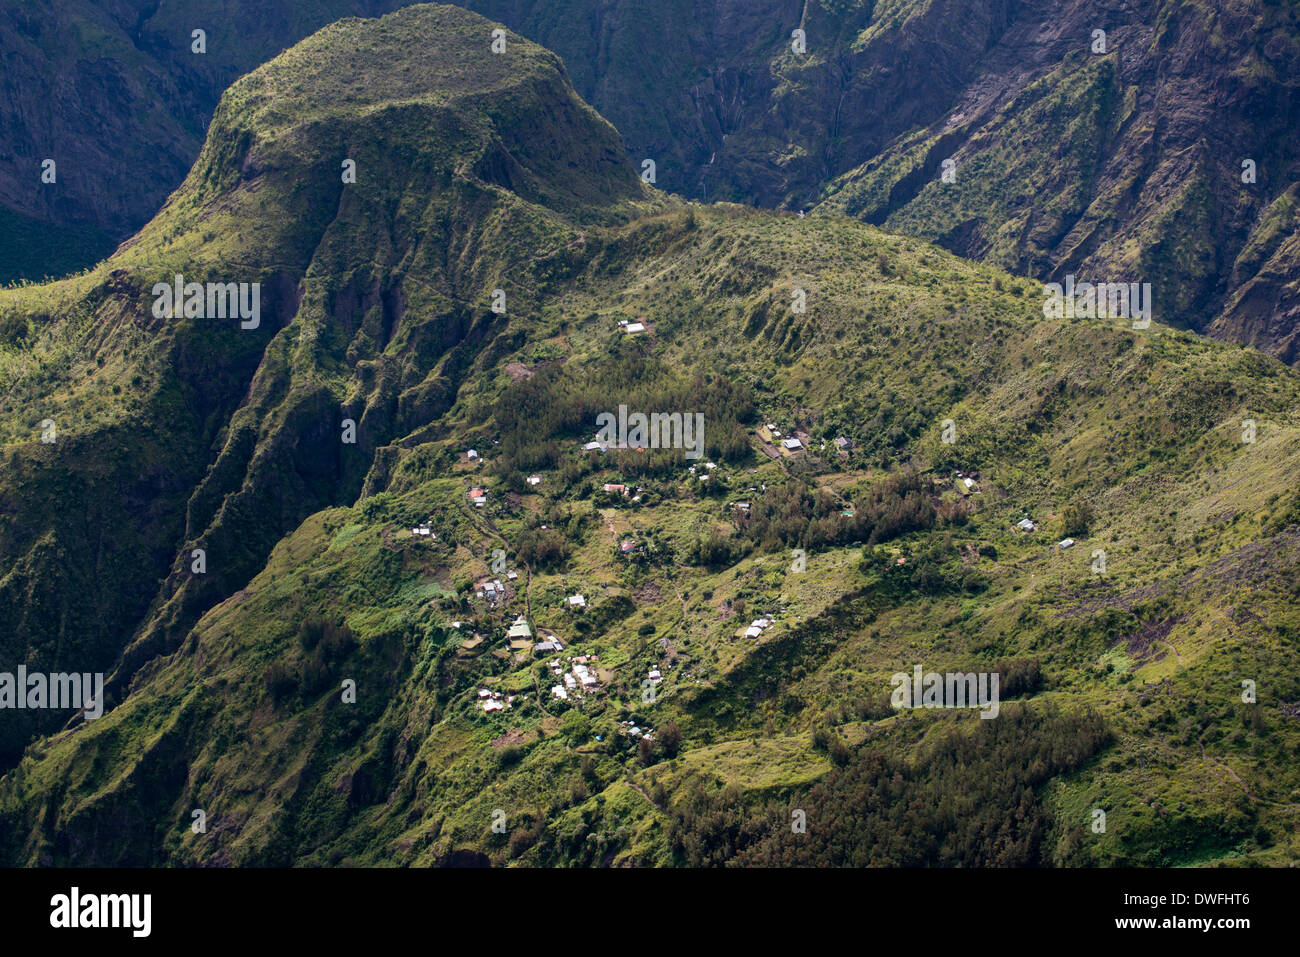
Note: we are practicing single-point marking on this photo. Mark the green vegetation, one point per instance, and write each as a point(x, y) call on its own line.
point(1121, 683)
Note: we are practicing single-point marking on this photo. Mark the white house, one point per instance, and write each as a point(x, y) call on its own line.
point(519, 629)
point(792, 444)
point(634, 327)
point(1066, 543)
point(577, 601)
point(471, 455)
point(1025, 525)
point(534, 480)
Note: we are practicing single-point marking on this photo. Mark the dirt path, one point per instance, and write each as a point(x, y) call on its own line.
point(641, 791)
point(1223, 765)
point(488, 528)
point(1170, 646)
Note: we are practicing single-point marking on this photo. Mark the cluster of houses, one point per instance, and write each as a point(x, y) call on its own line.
point(521, 639)
point(633, 731)
point(1025, 525)
point(757, 627)
point(491, 591)
point(490, 700)
point(478, 497)
point(549, 643)
point(791, 443)
point(423, 531)
point(965, 483)
point(604, 445)
point(578, 679)
point(519, 635)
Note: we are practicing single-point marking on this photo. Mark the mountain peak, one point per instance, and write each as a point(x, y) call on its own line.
point(409, 99)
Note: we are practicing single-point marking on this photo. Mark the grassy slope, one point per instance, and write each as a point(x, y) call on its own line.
point(1144, 426)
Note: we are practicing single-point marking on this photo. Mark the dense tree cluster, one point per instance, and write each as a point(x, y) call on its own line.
point(542, 548)
point(559, 404)
point(796, 515)
point(935, 568)
point(325, 642)
point(973, 797)
point(1076, 518)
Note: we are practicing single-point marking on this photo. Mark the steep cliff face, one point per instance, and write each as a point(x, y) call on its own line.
point(1163, 156)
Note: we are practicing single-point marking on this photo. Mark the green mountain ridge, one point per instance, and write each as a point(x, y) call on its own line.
point(475, 172)
point(1122, 164)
